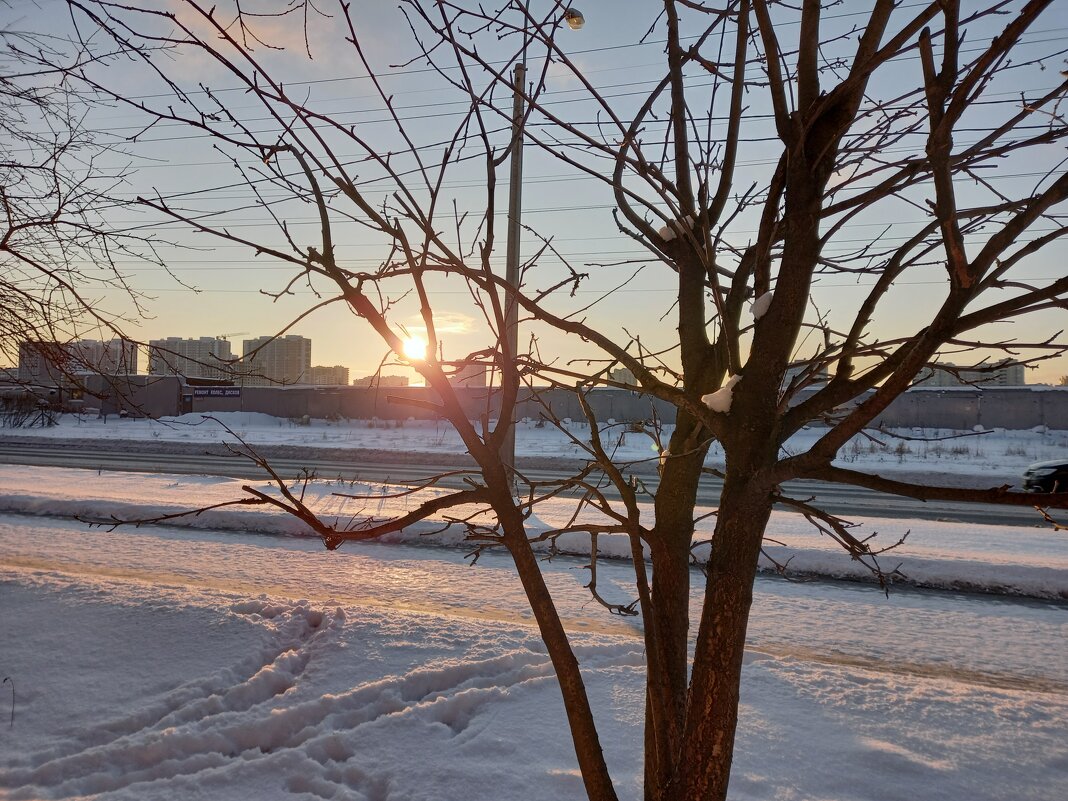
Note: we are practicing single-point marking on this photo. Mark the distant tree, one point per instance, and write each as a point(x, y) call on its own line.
point(1063, 381)
point(26, 411)
point(58, 187)
point(742, 171)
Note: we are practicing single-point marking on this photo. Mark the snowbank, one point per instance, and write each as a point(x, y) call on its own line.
point(998, 559)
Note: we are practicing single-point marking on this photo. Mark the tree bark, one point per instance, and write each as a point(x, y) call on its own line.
point(712, 709)
point(587, 744)
point(666, 646)
point(667, 632)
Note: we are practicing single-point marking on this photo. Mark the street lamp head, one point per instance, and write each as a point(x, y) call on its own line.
point(573, 17)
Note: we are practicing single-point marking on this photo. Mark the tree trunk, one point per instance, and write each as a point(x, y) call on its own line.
point(712, 710)
point(587, 744)
point(667, 634)
point(667, 628)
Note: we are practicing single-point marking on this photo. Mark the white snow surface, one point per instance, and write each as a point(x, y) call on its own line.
point(229, 656)
point(162, 663)
point(676, 228)
point(1000, 559)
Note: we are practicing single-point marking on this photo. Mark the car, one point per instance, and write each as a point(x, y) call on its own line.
point(1047, 476)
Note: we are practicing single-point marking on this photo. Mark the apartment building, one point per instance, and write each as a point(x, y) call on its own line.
point(270, 361)
point(321, 376)
point(204, 357)
point(470, 375)
point(947, 374)
point(48, 362)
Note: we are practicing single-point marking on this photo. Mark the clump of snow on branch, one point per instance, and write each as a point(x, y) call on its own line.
point(761, 305)
point(666, 233)
point(721, 399)
point(677, 228)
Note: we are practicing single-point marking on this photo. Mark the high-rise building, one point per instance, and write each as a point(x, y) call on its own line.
point(113, 357)
point(205, 357)
point(334, 376)
point(41, 362)
point(270, 361)
point(947, 374)
point(48, 362)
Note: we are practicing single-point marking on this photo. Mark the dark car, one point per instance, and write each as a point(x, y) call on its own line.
point(1047, 476)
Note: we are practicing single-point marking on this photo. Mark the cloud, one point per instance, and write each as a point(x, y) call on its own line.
point(560, 76)
point(279, 42)
point(264, 27)
point(444, 323)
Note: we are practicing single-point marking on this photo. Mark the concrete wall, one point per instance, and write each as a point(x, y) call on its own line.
point(960, 408)
point(965, 408)
point(137, 395)
point(390, 403)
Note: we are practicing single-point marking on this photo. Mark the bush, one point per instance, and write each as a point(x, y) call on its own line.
point(27, 411)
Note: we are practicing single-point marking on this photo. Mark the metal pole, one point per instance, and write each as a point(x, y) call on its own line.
point(511, 275)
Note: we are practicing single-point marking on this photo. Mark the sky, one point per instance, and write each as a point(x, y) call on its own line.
point(217, 288)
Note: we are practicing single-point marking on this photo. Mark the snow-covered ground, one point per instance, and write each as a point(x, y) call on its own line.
point(213, 658)
point(166, 663)
point(995, 455)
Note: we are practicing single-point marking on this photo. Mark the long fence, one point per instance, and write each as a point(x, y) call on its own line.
point(966, 407)
point(957, 408)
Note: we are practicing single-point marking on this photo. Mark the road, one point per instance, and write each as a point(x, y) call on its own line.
point(842, 500)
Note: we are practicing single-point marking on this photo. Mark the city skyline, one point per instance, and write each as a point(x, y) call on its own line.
point(205, 357)
point(212, 358)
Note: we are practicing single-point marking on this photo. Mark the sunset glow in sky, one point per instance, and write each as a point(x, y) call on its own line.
point(213, 287)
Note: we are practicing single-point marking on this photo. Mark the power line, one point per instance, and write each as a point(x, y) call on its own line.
point(549, 258)
point(534, 124)
point(818, 285)
point(409, 71)
point(169, 224)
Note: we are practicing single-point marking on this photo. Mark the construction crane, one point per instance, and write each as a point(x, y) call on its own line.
point(231, 334)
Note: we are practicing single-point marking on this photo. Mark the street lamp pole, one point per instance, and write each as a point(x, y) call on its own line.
point(575, 20)
point(511, 269)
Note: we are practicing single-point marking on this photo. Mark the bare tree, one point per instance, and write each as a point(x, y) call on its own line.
point(741, 172)
point(59, 182)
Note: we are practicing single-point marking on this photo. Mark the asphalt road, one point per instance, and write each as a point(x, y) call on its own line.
point(842, 500)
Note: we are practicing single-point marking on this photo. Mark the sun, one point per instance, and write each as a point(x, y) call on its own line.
point(415, 349)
